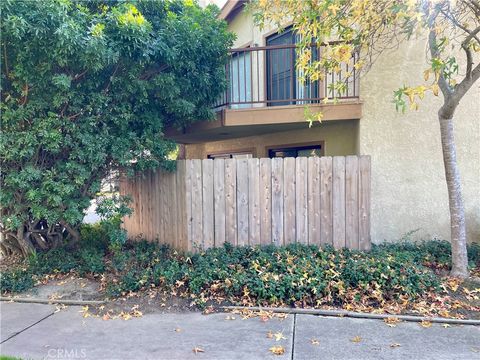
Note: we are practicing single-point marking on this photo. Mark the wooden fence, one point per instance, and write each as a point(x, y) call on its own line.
point(208, 202)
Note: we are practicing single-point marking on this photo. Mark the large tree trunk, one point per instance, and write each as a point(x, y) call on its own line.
point(24, 242)
point(457, 210)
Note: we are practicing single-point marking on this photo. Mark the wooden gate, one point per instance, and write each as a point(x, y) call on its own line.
point(206, 203)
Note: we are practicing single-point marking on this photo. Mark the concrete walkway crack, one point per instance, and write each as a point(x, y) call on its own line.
point(293, 334)
point(28, 327)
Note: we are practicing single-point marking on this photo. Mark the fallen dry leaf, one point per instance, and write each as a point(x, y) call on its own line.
point(264, 318)
point(197, 350)
point(391, 321)
point(356, 339)
point(208, 310)
point(270, 335)
point(314, 342)
point(279, 336)
point(453, 284)
point(426, 324)
point(277, 350)
point(230, 317)
point(125, 316)
point(446, 326)
point(137, 313)
point(444, 313)
point(395, 345)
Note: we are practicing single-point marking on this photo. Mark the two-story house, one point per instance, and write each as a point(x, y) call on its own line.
point(262, 114)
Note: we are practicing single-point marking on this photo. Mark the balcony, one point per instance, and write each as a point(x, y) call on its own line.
point(266, 76)
point(265, 94)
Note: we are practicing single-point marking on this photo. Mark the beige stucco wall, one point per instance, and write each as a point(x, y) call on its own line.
point(408, 180)
point(340, 138)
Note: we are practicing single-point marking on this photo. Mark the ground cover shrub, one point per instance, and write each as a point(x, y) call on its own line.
point(296, 274)
point(430, 253)
point(16, 280)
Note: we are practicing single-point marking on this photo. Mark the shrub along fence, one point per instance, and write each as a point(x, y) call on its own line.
point(206, 203)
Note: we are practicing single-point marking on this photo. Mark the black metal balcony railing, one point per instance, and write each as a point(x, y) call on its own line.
point(266, 76)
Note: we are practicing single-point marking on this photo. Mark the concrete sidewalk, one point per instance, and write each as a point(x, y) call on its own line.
point(33, 331)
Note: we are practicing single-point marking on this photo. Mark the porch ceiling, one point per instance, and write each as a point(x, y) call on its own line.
point(235, 123)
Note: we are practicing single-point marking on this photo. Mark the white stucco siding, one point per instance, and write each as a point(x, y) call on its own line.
point(408, 181)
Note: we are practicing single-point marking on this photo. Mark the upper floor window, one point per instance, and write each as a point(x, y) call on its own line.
point(240, 79)
point(283, 80)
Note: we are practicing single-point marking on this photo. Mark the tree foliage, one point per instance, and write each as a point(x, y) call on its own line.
point(451, 32)
point(87, 88)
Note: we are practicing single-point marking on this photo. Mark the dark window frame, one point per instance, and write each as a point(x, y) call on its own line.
point(297, 148)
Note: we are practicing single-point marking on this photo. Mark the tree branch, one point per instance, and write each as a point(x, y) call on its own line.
point(432, 44)
point(462, 88)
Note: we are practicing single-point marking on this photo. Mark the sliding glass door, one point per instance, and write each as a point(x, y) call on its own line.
point(284, 85)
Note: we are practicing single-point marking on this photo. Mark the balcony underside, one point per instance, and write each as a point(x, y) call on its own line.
point(235, 123)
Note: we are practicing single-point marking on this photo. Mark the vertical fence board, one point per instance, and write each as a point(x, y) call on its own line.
point(182, 236)
point(162, 222)
point(313, 200)
point(153, 199)
point(251, 201)
point(142, 204)
point(170, 195)
point(265, 201)
point(197, 210)
point(364, 202)
point(136, 206)
point(242, 201)
point(289, 199)
point(351, 202)
point(338, 202)
point(157, 197)
point(254, 201)
point(326, 225)
point(188, 203)
point(301, 203)
point(207, 203)
point(162, 216)
point(219, 200)
point(171, 200)
point(231, 201)
point(277, 201)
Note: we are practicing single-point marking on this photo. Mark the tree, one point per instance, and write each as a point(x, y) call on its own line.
point(371, 27)
point(87, 88)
